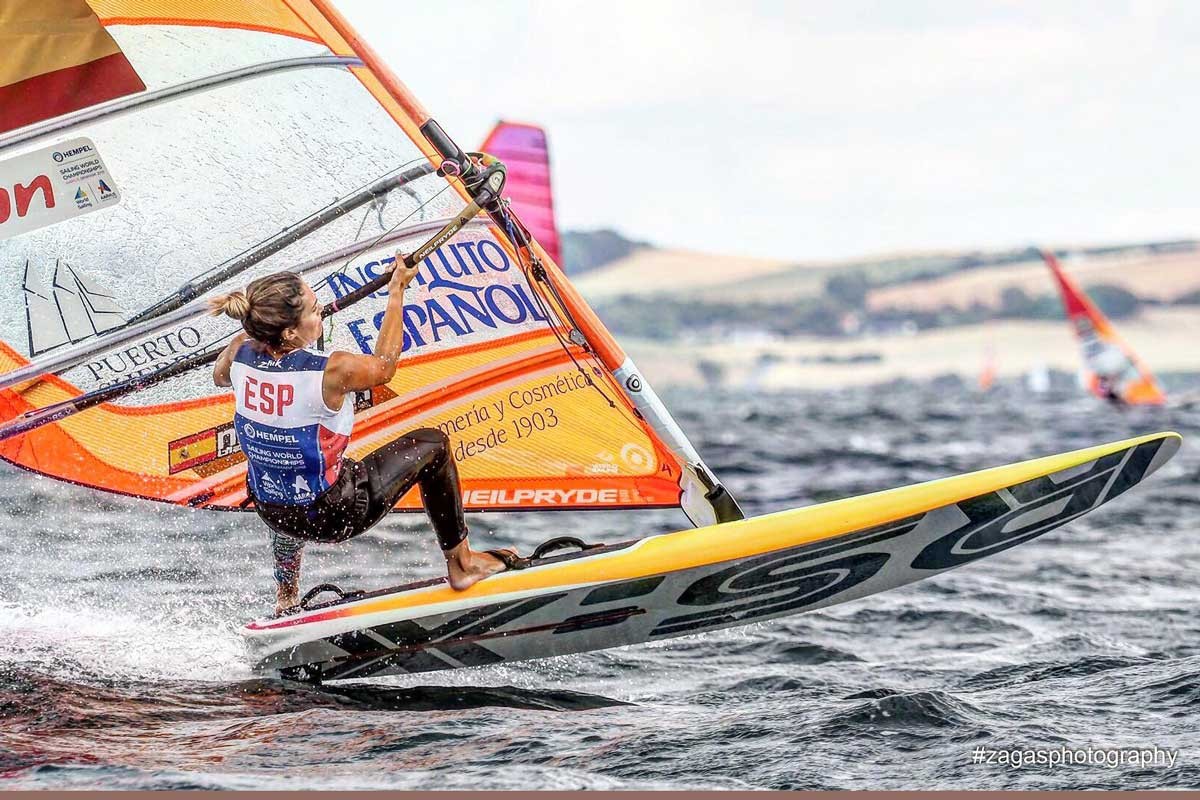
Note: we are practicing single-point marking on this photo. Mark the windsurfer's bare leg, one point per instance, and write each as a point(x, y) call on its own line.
point(466, 567)
point(424, 457)
point(288, 552)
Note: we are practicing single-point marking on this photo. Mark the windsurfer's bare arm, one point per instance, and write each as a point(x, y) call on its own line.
point(347, 372)
point(221, 369)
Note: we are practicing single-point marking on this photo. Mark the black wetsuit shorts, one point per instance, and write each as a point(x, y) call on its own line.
point(366, 490)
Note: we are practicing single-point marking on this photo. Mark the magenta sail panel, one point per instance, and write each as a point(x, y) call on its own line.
point(524, 150)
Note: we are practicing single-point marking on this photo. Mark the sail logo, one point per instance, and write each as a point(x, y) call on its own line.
point(34, 186)
point(466, 289)
point(61, 156)
point(203, 448)
point(271, 485)
point(68, 307)
point(301, 487)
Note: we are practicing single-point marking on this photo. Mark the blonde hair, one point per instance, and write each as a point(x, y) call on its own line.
point(266, 308)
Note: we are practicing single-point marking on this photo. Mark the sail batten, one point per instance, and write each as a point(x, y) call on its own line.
point(141, 101)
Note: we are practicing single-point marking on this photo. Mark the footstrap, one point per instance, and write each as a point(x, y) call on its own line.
point(312, 593)
point(560, 542)
point(510, 559)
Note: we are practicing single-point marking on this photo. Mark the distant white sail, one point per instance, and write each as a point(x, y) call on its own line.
point(1038, 379)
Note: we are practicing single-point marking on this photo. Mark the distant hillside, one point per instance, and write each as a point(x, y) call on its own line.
point(584, 251)
point(662, 294)
point(674, 274)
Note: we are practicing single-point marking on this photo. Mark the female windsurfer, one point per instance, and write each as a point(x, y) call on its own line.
point(294, 411)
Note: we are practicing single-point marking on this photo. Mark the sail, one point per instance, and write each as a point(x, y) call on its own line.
point(1037, 380)
point(1111, 369)
point(47, 329)
point(526, 152)
point(103, 312)
point(72, 305)
point(987, 375)
point(255, 115)
point(73, 62)
point(69, 309)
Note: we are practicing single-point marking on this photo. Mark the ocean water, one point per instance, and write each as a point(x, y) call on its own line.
point(121, 666)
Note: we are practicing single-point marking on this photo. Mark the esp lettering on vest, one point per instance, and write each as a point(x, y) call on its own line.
point(271, 398)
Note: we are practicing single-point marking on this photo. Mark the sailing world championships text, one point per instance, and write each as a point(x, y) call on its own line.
point(460, 309)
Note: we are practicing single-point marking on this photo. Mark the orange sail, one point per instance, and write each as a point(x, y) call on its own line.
point(987, 375)
point(1113, 371)
point(254, 115)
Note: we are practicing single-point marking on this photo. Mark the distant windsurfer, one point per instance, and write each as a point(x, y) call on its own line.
point(294, 412)
point(1106, 388)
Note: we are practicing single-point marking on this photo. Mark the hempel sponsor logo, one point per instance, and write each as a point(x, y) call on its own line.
point(253, 433)
point(61, 156)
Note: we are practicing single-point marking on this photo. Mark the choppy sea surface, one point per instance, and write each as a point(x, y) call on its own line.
point(121, 666)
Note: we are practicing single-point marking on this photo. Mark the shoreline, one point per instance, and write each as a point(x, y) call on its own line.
point(1164, 338)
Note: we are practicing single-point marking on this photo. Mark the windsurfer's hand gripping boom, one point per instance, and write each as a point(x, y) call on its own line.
point(352, 374)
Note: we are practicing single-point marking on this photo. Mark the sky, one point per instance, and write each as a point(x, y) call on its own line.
point(808, 131)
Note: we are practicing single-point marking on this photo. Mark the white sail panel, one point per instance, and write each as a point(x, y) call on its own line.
point(45, 324)
point(68, 295)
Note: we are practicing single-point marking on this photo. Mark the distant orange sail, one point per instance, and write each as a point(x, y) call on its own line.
point(1114, 372)
point(987, 376)
point(71, 63)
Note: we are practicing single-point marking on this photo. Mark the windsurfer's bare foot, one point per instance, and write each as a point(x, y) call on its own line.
point(285, 598)
point(466, 567)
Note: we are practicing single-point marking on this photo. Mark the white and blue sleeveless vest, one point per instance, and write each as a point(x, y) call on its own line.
point(292, 441)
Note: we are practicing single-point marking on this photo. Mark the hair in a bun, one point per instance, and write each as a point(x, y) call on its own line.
point(267, 308)
point(233, 305)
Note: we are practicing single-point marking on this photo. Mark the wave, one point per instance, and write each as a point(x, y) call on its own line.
point(907, 710)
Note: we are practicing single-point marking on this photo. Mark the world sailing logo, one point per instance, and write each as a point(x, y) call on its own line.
point(465, 289)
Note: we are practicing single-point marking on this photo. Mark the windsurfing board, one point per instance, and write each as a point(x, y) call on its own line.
point(703, 579)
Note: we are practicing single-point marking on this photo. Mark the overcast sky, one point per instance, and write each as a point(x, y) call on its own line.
point(814, 130)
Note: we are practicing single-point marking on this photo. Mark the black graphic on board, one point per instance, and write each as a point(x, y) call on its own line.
point(781, 582)
point(408, 647)
point(995, 525)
